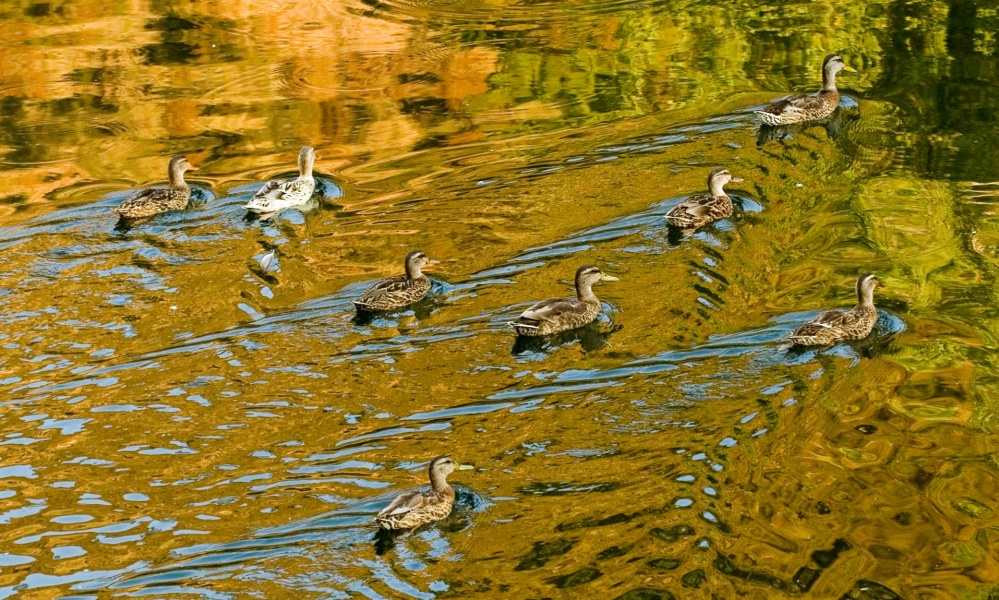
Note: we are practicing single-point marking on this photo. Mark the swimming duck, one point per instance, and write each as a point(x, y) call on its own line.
point(414, 508)
point(836, 325)
point(798, 108)
point(399, 291)
point(562, 314)
point(279, 194)
point(701, 209)
point(151, 201)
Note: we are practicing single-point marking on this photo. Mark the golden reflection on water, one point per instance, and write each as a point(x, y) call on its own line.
point(179, 421)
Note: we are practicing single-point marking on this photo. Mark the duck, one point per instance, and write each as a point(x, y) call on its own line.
point(278, 194)
point(834, 326)
point(414, 508)
point(397, 292)
point(155, 200)
point(701, 209)
point(562, 314)
point(799, 108)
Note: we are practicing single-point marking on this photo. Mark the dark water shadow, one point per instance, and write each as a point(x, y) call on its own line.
point(385, 540)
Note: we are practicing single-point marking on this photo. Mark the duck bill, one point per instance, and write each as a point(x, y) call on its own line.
point(737, 180)
point(881, 286)
point(465, 467)
point(430, 263)
point(849, 69)
point(191, 167)
point(606, 277)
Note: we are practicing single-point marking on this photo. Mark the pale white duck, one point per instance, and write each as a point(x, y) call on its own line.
point(279, 194)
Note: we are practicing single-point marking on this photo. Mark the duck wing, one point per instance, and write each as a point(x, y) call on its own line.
point(389, 285)
point(693, 210)
point(551, 309)
point(265, 198)
point(793, 103)
point(277, 194)
point(301, 189)
point(143, 204)
point(272, 189)
point(830, 319)
point(402, 504)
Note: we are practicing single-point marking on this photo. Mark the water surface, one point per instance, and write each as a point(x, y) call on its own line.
point(181, 418)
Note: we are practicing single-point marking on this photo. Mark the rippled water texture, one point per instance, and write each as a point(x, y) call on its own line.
point(189, 408)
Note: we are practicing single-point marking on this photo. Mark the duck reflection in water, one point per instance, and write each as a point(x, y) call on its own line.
point(310, 205)
point(420, 310)
point(592, 337)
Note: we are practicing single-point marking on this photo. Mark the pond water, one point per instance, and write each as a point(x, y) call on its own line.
point(189, 408)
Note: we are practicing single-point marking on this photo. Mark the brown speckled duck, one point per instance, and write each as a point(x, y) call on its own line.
point(396, 292)
point(413, 508)
point(837, 325)
point(799, 108)
point(562, 314)
point(151, 201)
point(700, 209)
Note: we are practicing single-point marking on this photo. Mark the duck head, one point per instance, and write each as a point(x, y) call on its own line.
point(442, 466)
point(866, 284)
point(717, 180)
point(178, 166)
point(832, 64)
point(415, 262)
point(586, 276)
